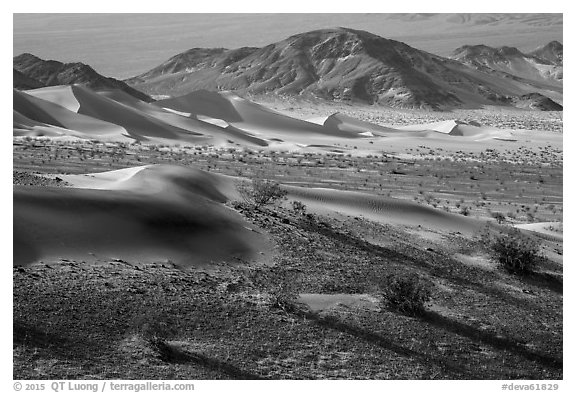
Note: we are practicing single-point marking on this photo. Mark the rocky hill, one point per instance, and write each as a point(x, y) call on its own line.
point(543, 64)
point(338, 64)
point(553, 52)
point(23, 82)
point(52, 73)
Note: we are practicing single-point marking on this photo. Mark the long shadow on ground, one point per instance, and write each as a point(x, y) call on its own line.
point(393, 256)
point(488, 338)
point(457, 370)
point(33, 337)
point(172, 354)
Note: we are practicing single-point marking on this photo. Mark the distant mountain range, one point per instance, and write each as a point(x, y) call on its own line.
point(345, 65)
point(32, 72)
point(553, 52)
point(544, 63)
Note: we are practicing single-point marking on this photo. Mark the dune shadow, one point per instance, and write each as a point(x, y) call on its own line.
point(488, 338)
point(545, 281)
point(33, 337)
point(173, 354)
point(330, 322)
point(393, 256)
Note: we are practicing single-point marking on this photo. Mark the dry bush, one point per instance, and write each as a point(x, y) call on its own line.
point(407, 294)
point(259, 192)
point(515, 252)
point(499, 217)
point(299, 208)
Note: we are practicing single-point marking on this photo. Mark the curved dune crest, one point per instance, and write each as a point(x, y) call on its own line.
point(178, 182)
point(166, 212)
point(351, 125)
point(60, 95)
point(383, 209)
point(113, 114)
point(218, 134)
point(47, 112)
point(139, 125)
point(145, 214)
point(221, 119)
point(246, 115)
point(163, 181)
point(456, 128)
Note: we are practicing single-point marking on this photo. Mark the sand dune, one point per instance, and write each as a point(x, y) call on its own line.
point(383, 209)
point(40, 110)
point(21, 121)
point(165, 212)
point(219, 119)
point(92, 108)
point(145, 214)
point(349, 124)
point(543, 230)
point(139, 125)
point(217, 134)
point(61, 95)
point(247, 116)
point(162, 181)
point(139, 120)
point(456, 128)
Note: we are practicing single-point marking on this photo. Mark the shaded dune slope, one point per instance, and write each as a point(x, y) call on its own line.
point(137, 119)
point(247, 115)
point(49, 113)
point(220, 134)
point(156, 214)
point(87, 111)
point(139, 125)
point(62, 95)
point(203, 117)
point(349, 124)
point(179, 181)
point(159, 213)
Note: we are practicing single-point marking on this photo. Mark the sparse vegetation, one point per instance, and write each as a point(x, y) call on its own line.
point(299, 208)
point(407, 294)
point(515, 252)
point(499, 217)
point(259, 192)
point(156, 327)
point(464, 210)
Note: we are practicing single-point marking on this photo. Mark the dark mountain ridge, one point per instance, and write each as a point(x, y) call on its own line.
point(52, 73)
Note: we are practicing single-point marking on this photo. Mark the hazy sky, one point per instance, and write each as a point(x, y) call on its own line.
point(124, 45)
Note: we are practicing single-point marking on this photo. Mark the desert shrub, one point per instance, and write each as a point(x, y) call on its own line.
point(156, 327)
point(407, 293)
point(260, 192)
point(299, 208)
point(283, 298)
point(499, 217)
point(465, 210)
point(515, 252)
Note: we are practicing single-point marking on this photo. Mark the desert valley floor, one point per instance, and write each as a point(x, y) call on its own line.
point(135, 258)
